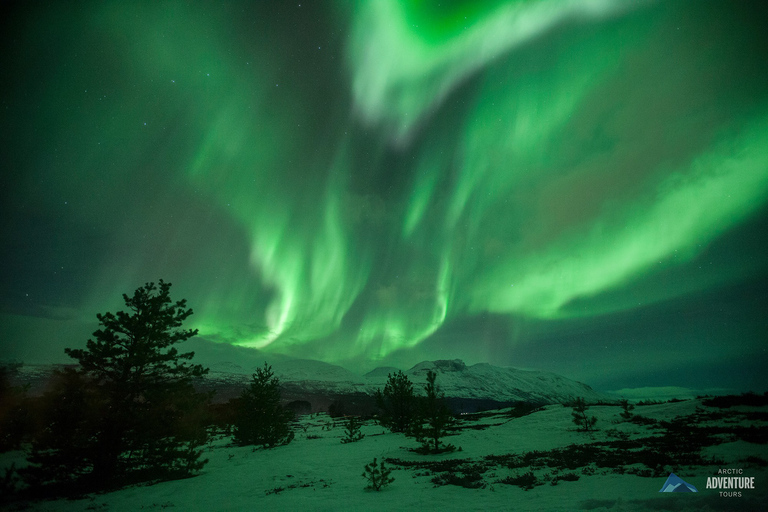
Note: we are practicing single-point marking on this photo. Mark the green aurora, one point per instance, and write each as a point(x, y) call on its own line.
point(578, 185)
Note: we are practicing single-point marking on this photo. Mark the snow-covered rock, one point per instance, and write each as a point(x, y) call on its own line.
point(483, 381)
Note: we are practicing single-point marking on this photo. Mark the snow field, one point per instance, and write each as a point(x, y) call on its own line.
point(317, 472)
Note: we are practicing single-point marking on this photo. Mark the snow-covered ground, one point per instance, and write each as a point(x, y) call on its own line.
point(318, 472)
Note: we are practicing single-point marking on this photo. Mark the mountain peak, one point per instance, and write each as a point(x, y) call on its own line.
point(439, 366)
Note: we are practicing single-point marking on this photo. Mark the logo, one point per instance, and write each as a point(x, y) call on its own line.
point(676, 484)
point(733, 484)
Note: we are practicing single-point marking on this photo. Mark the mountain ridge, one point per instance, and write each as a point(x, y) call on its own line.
point(306, 377)
point(481, 381)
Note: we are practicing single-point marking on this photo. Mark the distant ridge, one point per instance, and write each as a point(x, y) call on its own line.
point(457, 380)
point(299, 377)
point(483, 381)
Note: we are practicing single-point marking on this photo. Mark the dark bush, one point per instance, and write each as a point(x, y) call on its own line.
point(526, 481)
point(565, 477)
point(468, 480)
point(727, 401)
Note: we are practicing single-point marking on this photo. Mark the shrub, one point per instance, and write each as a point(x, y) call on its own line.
point(565, 477)
point(643, 420)
point(377, 475)
point(526, 481)
point(616, 434)
point(471, 479)
point(727, 401)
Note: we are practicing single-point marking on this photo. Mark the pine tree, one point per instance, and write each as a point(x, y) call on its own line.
point(580, 417)
point(124, 414)
point(626, 414)
point(260, 418)
point(352, 433)
point(397, 403)
point(436, 418)
point(377, 475)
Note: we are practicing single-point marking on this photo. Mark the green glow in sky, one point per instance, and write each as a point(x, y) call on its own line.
point(359, 180)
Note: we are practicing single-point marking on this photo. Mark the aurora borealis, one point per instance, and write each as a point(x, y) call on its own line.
point(578, 186)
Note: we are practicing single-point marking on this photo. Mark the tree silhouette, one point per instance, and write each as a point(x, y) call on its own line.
point(352, 433)
point(127, 413)
point(260, 418)
point(397, 403)
point(436, 418)
point(626, 413)
point(377, 475)
point(580, 417)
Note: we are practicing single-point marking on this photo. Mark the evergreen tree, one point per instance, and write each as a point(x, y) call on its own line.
point(580, 417)
point(352, 432)
point(397, 403)
point(436, 419)
point(626, 414)
point(377, 475)
point(125, 414)
point(260, 419)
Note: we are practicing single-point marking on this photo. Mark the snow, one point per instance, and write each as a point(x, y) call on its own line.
point(317, 472)
point(457, 380)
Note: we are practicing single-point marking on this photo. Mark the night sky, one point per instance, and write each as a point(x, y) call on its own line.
point(577, 186)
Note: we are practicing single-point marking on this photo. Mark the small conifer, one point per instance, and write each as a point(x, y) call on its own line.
point(626, 414)
point(436, 419)
point(377, 475)
point(580, 418)
point(397, 403)
point(260, 418)
point(352, 433)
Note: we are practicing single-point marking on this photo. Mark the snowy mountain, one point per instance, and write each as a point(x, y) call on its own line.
point(483, 381)
point(322, 383)
point(457, 380)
